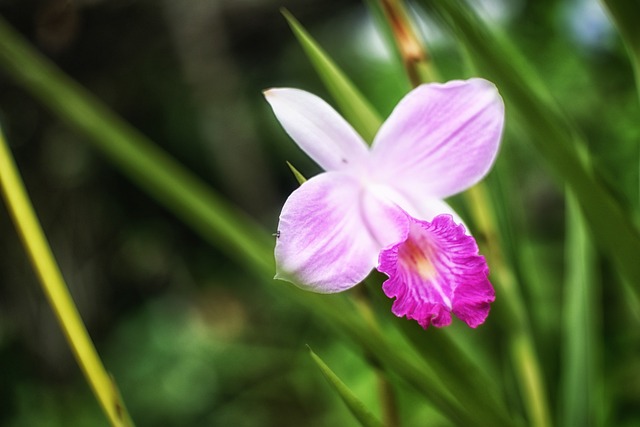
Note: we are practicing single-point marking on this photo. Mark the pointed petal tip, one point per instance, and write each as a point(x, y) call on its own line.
point(270, 92)
point(275, 92)
point(317, 128)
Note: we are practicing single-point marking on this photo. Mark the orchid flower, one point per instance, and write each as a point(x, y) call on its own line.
point(382, 206)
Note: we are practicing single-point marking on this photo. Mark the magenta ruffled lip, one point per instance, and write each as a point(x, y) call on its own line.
point(437, 271)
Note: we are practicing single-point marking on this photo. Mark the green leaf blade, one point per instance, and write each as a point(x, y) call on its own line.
point(625, 15)
point(355, 405)
point(582, 400)
point(355, 108)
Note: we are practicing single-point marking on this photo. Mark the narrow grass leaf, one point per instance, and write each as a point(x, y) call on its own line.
point(56, 290)
point(581, 398)
point(625, 15)
point(395, 358)
point(355, 108)
point(364, 416)
point(400, 361)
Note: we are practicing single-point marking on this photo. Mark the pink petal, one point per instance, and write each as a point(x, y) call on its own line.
point(441, 138)
point(425, 208)
point(325, 241)
point(317, 128)
point(437, 270)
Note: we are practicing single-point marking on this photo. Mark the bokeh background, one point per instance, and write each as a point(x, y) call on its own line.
point(190, 336)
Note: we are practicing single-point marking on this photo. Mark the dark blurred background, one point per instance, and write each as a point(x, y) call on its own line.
point(189, 336)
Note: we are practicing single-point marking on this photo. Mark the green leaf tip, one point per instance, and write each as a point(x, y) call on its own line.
point(355, 405)
point(299, 177)
point(353, 105)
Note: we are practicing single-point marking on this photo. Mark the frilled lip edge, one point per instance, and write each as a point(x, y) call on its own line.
point(436, 271)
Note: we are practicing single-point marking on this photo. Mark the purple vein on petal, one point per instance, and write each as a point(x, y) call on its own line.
point(435, 271)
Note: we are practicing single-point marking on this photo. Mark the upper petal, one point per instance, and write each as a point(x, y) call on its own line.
point(441, 138)
point(325, 241)
point(317, 128)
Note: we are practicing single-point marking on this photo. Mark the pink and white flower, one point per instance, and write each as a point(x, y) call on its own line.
point(383, 206)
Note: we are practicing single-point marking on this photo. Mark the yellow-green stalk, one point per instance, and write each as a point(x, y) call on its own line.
point(56, 290)
point(414, 55)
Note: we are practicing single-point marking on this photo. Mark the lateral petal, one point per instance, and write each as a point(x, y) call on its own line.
point(325, 242)
point(441, 138)
point(437, 270)
point(317, 128)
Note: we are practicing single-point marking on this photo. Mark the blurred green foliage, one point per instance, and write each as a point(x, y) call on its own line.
point(189, 336)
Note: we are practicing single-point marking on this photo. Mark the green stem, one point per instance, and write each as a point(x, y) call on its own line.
point(388, 401)
point(390, 413)
point(530, 378)
point(56, 290)
point(521, 344)
point(414, 55)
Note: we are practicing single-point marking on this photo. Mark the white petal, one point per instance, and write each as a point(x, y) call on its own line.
point(325, 241)
point(416, 205)
point(317, 128)
point(426, 209)
point(440, 139)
